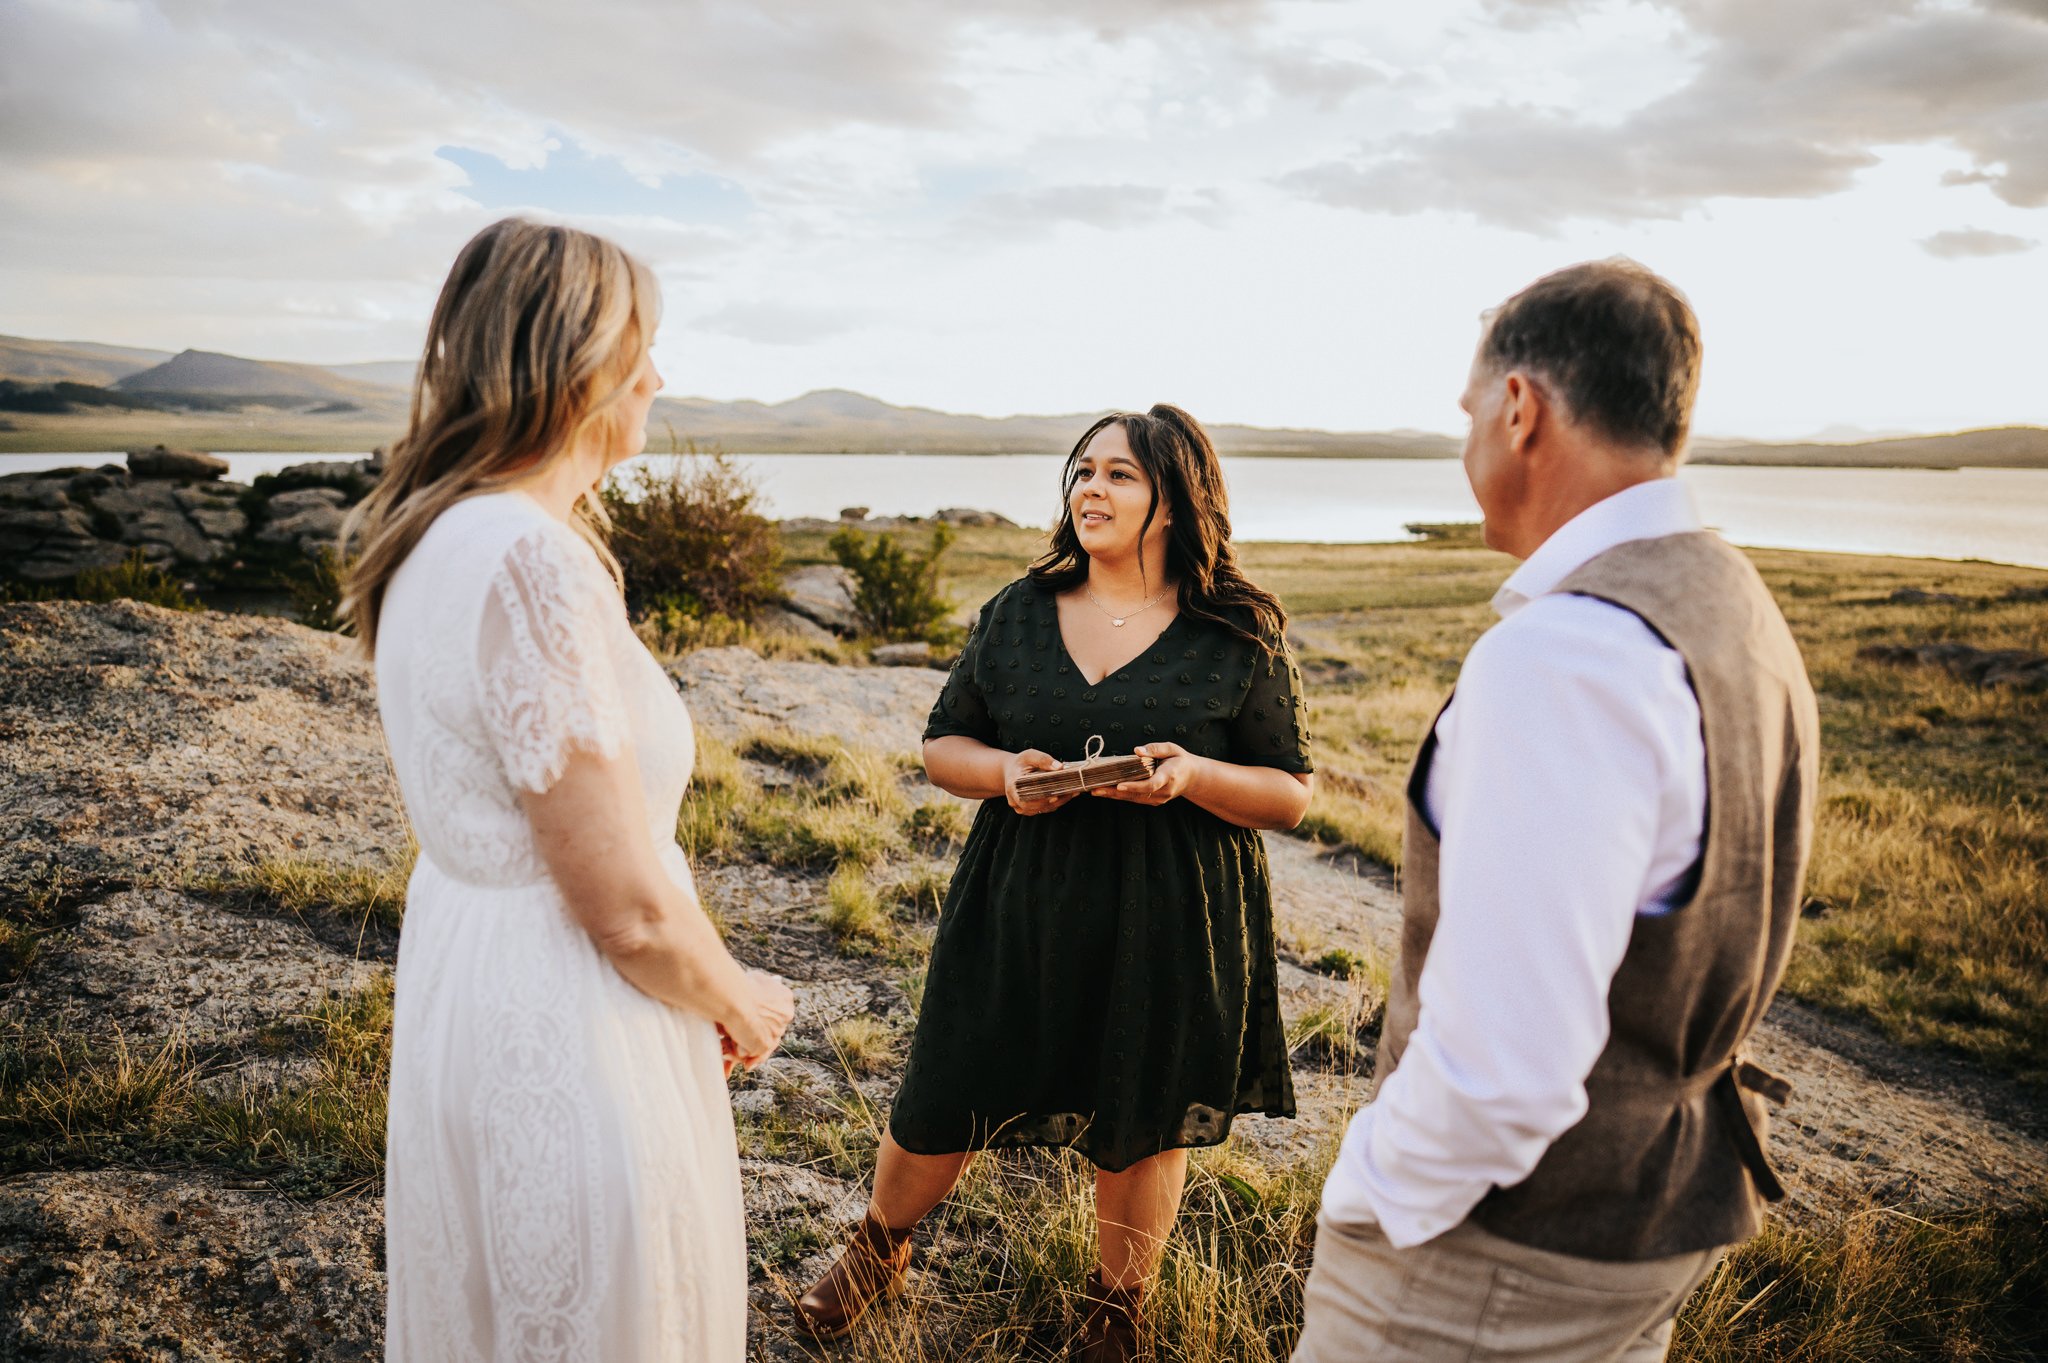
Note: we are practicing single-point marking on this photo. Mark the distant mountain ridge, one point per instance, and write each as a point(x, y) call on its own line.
point(231, 376)
point(823, 421)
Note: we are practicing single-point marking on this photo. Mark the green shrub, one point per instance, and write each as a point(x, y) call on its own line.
point(131, 580)
point(691, 538)
point(899, 596)
point(316, 593)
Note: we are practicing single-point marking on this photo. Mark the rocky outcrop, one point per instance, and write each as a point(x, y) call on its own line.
point(120, 1264)
point(732, 691)
point(173, 508)
point(136, 742)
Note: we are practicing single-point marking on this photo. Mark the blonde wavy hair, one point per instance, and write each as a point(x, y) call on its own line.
point(536, 336)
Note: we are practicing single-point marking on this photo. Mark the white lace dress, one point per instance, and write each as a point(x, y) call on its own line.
point(562, 1181)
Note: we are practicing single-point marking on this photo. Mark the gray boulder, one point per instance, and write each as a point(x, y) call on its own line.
point(161, 462)
point(152, 518)
point(44, 538)
point(309, 517)
point(778, 620)
point(823, 593)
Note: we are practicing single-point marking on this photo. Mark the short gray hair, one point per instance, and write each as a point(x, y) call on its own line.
point(1617, 342)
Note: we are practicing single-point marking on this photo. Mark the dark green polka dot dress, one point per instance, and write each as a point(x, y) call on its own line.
point(1104, 975)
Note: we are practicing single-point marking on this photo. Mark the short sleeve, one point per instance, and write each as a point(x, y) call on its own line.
point(1271, 728)
point(547, 681)
point(961, 708)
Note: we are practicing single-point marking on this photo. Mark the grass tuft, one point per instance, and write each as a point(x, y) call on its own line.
point(853, 912)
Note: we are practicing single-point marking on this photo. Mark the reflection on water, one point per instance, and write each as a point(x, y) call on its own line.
point(1997, 514)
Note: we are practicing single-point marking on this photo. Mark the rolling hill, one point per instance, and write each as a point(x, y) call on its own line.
point(28, 361)
point(355, 406)
point(231, 376)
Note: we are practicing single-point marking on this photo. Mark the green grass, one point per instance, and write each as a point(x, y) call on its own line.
point(67, 1104)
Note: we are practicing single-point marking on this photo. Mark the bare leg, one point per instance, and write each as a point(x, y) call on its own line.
point(877, 1256)
point(1134, 1213)
point(907, 1186)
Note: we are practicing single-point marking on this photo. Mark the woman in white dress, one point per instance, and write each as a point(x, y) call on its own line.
point(562, 1180)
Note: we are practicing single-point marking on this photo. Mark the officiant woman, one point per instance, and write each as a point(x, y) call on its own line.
point(1103, 976)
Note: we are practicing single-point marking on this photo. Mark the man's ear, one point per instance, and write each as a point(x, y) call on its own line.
point(1524, 409)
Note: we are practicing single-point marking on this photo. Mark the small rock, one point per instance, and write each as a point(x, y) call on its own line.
point(964, 516)
point(159, 461)
point(824, 593)
point(902, 655)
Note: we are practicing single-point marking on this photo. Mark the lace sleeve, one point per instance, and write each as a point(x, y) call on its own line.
point(1270, 729)
point(545, 670)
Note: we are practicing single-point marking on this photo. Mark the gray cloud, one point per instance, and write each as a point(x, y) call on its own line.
point(1968, 242)
point(1789, 101)
point(1324, 81)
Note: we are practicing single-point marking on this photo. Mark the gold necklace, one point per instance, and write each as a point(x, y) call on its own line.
point(1114, 618)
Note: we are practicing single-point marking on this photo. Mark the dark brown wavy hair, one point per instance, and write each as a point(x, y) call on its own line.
point(1175, 453)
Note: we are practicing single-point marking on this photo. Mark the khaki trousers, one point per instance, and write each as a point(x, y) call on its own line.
point(1471, 1296)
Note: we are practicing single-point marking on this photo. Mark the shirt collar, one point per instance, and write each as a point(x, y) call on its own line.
point(1648, 510)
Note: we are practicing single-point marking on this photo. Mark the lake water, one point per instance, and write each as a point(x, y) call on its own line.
point(1995, 514)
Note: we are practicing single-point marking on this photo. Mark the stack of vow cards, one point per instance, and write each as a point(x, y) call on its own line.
point(1091, 771)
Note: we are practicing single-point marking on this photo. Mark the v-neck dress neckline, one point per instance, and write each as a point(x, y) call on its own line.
point(1067, 652)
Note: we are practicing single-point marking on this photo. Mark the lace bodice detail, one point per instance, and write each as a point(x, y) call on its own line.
point(503, 649)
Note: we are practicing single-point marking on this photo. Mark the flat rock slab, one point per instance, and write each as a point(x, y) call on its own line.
point(156, 963)
point(732, 691)
point(140, 742)
point(117, 1265)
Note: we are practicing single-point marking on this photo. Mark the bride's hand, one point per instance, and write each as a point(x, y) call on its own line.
point(759, 1028)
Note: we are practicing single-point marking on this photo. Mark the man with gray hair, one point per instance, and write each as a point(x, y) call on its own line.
point(1607, 828)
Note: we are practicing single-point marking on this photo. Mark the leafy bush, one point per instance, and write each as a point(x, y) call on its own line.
point(899, 594)
point(691, 538)
point(130, 580)
point(316, 593)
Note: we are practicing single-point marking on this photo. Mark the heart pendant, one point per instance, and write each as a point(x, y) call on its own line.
point(1114, 621)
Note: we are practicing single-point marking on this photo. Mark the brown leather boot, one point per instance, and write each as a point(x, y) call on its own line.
point(1109, 1332)
point(873, 1265)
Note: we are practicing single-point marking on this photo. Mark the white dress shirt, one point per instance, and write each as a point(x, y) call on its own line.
point(1569, 789)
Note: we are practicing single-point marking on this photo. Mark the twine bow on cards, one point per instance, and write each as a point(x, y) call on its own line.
point(1070, 778)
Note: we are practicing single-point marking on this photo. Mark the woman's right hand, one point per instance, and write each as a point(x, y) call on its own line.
point(758, 1030)
point(1020, 763)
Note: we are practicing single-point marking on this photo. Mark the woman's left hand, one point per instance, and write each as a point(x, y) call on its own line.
point(1173, 767)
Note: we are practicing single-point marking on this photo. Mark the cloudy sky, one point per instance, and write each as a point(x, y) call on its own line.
point(1288, 212)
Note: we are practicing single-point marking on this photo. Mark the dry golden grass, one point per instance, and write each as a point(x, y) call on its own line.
point(1930, 875)
point(357, 895)
point(67, 1103)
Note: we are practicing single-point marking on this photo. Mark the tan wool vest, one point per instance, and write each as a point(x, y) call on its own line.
point(1669, 1156)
